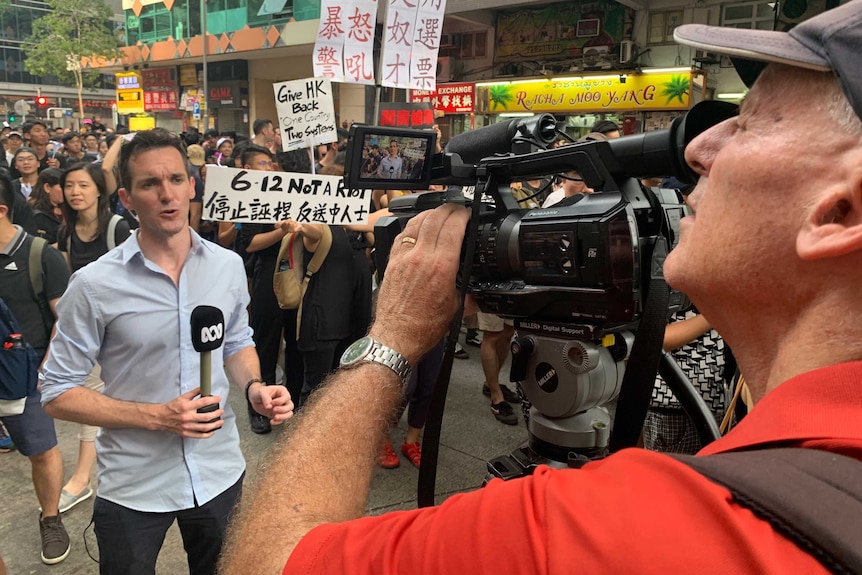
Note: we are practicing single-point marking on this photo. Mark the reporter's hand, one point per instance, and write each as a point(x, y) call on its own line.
point(273, 401)
point(418, 298)
point(181, 415)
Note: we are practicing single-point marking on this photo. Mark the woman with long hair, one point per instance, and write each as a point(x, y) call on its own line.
point(87, 214)
point(89, 232)
point(45, 200)
point(26, 162)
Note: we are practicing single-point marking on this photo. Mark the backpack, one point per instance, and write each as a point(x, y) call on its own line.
point(289, 280)
point(812, 497)
point(18, 361)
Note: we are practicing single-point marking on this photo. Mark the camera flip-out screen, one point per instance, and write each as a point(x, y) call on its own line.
point(389, 158)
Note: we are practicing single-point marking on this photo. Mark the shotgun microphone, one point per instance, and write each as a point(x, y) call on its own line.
point(207, 334)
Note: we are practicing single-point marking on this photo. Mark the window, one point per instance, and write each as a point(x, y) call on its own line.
point(662, 25)
point(464, 45)
point(751, 15)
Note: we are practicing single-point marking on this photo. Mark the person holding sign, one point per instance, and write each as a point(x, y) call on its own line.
point(160, 460)
point(390, 166)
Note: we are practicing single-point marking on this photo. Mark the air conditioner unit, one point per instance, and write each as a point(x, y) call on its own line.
point(597, 57)
point(445, 69)
point(626, 51)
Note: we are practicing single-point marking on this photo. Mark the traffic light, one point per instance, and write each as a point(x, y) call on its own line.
point(41, 102)
point(12, 119)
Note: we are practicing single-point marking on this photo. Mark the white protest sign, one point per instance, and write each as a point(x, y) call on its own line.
point(329, 47)
point(306, 114)
point(258, 196)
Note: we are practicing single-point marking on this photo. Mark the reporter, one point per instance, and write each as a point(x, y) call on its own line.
point(782, 297)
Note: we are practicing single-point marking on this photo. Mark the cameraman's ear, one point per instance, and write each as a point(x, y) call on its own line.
point(833, 225)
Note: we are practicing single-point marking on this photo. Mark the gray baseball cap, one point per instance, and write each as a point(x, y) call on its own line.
point(831, 41)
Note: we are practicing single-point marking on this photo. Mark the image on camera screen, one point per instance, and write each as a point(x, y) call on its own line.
point(387, 157)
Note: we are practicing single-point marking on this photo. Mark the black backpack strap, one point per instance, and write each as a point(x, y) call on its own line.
point(34, 262)
point(812, 497)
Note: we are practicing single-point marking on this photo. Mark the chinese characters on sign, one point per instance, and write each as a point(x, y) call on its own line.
point(257, 196)
point(130, 93)
point(160, 100)
point(415, 115)
point(411, 42)
point(449, 98)
point(306, 113)
point(345, 41)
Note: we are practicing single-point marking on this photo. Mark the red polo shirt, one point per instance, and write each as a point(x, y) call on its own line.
point(635, 512)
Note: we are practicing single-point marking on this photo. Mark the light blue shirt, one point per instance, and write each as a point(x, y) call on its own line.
point(125, 313)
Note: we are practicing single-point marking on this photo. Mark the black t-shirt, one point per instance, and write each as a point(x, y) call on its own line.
point(328, 308)
point(46, 225)
point(17, 291)
point(43, 163)
point(248, 232)
point(84, 253)
point(22, 214)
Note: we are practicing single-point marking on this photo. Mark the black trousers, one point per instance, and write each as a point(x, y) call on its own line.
point(319, 363)
point(130, 541)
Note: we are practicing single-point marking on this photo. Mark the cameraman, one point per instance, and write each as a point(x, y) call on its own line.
point(773, 258)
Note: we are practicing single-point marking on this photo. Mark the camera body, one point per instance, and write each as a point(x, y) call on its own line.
point(573, 276)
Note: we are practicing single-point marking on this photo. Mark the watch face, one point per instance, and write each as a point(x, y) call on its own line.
point(357, 350)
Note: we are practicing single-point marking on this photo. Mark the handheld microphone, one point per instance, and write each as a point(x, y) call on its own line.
point(207, 334)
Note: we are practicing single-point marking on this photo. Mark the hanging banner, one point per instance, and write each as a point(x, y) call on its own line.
point(306, 114)
point(426, 44)
point(411, 41)
point(258, 196)
point(360, 19)
point(449, 98)
point(329, 48)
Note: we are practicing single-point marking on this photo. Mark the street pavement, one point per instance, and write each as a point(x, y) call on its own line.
point(470, 436)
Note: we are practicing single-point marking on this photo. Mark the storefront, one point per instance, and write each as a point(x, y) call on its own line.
point(637, 102)
point(228, 103)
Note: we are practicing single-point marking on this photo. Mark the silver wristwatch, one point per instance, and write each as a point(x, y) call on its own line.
point(369, 349)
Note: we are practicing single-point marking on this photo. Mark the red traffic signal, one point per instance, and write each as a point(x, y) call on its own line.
point(41, 101)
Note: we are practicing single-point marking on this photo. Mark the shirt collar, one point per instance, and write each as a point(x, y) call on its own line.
point(131, 247)
point(14, 243)
point(821, 404)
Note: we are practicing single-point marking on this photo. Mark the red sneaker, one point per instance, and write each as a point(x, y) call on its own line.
point(413, 452)
point(386, 456)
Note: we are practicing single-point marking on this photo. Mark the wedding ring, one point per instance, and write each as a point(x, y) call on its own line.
point(408, 240)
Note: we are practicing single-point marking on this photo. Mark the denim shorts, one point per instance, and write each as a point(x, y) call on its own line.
point(32, 431)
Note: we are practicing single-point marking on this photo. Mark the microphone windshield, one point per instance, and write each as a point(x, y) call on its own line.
point(207, 328)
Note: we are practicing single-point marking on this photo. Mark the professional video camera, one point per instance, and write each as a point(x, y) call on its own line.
point(574, 277)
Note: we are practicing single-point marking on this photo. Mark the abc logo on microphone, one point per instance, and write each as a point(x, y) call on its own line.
point(207, 328)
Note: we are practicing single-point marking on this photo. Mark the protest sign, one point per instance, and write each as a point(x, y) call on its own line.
point(306, 114)
point(258, 196)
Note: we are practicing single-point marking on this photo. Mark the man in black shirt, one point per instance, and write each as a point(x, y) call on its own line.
point(33, 430)
point(37, 134)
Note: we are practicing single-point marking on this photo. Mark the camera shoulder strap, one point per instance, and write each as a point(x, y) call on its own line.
point(642, 365)
point(812, 497)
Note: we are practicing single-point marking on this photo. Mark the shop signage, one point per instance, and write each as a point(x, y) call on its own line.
point(159, 78)
point(130, 93)
point(449, 98)
point(633, 92)
point(227, 95)
point(415, 115)
point(188, 75)
point(160, 100)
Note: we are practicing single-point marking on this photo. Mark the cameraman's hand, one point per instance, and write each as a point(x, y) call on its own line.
point(418, 297)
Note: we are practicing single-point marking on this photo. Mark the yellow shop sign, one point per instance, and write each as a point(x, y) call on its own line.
point(605, 93)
